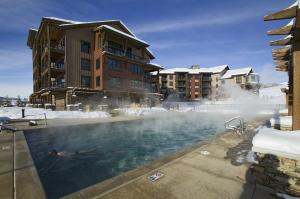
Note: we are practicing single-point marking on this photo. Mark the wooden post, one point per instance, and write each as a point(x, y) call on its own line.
point(296, 74)
point(296, 86)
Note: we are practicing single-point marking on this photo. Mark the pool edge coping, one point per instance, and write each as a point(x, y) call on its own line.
point(27, 183)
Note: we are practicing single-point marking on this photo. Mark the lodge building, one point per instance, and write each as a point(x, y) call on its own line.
point(89, 62)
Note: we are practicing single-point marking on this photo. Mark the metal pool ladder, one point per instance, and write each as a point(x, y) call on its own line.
point(239, 129)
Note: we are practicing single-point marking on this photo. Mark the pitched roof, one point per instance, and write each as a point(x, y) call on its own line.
point(65, 23)
point(234, 72)
point(215, 69)
point(107, 27)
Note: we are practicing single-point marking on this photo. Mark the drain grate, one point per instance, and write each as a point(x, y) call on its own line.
point(156, 176)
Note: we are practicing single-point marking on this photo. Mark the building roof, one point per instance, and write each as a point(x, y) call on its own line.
point(107, 27)
point(66, 24)
point(235, 72)
point(215, 69)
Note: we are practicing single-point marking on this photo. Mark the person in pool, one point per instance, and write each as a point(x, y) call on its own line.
point(54, 152)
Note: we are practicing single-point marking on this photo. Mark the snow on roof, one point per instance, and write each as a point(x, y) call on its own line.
point(287, 37)
point(173, 70)
point(234, 72)
point(33, 29)
point(150, 52)
point(291, 23)
point(155, 64)
point(63, 20)
point(216, 69)
point(286, 46)
point(293, 5)
point(123, 33)
point(276, 142)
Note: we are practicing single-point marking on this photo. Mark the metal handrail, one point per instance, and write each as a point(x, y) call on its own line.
point(238, 129)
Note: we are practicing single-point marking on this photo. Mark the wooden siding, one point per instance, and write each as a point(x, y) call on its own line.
point(74, 54)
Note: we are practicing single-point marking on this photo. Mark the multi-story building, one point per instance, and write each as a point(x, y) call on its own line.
point(243, 77)
point(197, 83)
point(193, 83)
point(89, 61)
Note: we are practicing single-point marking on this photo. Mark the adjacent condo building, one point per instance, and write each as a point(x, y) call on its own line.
point(196, 83)
point(90, 62)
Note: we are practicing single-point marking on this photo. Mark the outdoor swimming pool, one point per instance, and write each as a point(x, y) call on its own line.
point(93, 153)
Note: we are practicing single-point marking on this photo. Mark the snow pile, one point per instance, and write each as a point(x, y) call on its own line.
point(38, 113)
point(141, 111)
point(280, 143)
point(282, 121)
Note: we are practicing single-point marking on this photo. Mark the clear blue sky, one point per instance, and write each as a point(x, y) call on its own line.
point(180, 32)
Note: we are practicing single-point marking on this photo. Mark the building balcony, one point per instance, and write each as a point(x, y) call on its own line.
point(60, 48)
point(57, 66)
point(181, 85)
point(122, 53)
point(56, 85)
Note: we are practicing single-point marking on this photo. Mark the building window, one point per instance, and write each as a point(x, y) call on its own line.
point(85, 64)
point(98, 81)
point(114, 82)
point(136, 84)
point(170, 77)
point(98, 63)
point(147, 76)
point(85, 46)
point(114, 64)
point(136, 69)
point(217, 85)
point(85, 81)
point(238, 79)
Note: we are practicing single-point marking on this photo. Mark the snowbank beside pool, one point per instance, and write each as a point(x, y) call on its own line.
point(38, 113)
point(276, 142)
point(141, 111)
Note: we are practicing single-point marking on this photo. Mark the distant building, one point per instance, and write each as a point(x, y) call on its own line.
point(196, 83)
point(88, 62)
point(244, 77)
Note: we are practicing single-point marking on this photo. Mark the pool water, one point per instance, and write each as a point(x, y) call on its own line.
point(93, 153)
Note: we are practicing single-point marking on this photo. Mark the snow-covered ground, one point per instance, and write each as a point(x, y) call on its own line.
point(141, 111)
point(273, 94)
point(38, 113)
point(276, 142)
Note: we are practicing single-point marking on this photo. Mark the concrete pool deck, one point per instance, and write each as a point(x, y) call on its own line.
point(188, 174)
